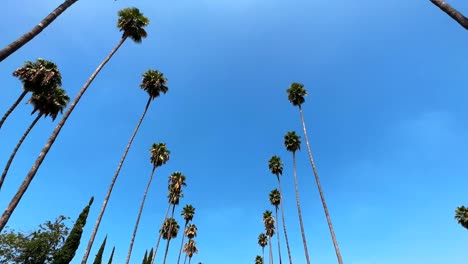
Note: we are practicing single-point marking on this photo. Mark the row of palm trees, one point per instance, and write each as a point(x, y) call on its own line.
point(292, 142)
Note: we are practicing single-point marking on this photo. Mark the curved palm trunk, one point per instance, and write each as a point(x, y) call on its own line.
point(319, 186)
point(139, 215)
point(299, 213)
point(277, 236)
point(159, 237)
point(111, 186)
point(10, 110)
point(283, 221)
point(182, 243)
point(18, 145)
point(271, 250)
point(452, 12)
point(167, 249)
point(32, 172)
point(15, 45)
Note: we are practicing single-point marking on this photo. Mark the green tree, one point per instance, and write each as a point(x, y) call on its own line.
point(262, 241)
point(269, 222)
point(296, 94)
point(68, 250)
point(34, 247)
point(190, 248)
point(159, 156)
point(275, 200)
point(36, 77)
point(190, 232)
point(187, 213)
point(50, 102)
point(461, 215)
point(150, 257)
point(145, 258)
point(169, 231)
point(276, 167)
point(132, 23)
point(258, 260)
point(17, 44)
point(111, 256)
point(98, 258)
point(292, 143)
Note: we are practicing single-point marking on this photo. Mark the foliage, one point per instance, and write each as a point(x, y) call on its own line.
point(296, 94)
point(269, 222)
point(258, 260)
point(132, 22)
point(275, 165)
point(98, 259)
point(262, 240)
point(111, 256)
point(159, 154)
point(191, 231)
point(39, 75)
point(49, 102)
point(292, 141)
point(154, 83)
point(190, 248)
point(169, 229)
point(275, 198)
point(188, 212)
point(461, 215)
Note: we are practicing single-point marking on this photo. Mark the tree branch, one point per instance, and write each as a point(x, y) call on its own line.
point(452, 12)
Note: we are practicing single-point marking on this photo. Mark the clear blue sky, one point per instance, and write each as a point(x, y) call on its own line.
point(386, 112)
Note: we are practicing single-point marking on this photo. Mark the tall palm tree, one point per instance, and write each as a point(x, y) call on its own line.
point(169, 231)
point(296, 94)
point(154, 84)
point(17, 44)
point(262, 241)
point(36, 77)
point(258, 260)
point(292, 143)
point(461, 215)
point(190, 232)
point(159, 156)
point(50, 102)
point(275, 200)
point(269, 222)
point(276, 167)
point(187, 213)
point(132, 23)
point(190, 249)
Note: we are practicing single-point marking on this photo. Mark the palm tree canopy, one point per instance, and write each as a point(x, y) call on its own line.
point(275, 198)
point(191, 231)
point(296, 94)
point(39, 75)
point(132, 22)
point(275, 165)
point(177, 180)
point(461, 215)
point(188, 212)
point(258, 260)
point(262, 240)
point(159, 154)
point(269, 222)
point(292, 141)
point(174, 196)
point(169, 229)
point(50, 102)
point(190, 248)
point(154, 83)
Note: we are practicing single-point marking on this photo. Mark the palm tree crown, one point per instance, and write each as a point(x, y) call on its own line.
point(296, 94)
point(275, 165)
point(190, 248)
point(159, 154)
point(191, 231)
point(177, 180)
point(262, 240)
point(258, 260)
point(49, 103)
point(275, 198)
point(269, 222)
point(188, 212)
point(169, 229)
point(38, 75)
point(132, 22)
point(154, 83)
point(292, 141)
point(461, 215)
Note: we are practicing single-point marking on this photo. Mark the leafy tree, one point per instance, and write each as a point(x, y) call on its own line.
point(276, 167)
point(17, 44)
point(262, 242)
point(269, 223)
point(169, 231)
point(98, 259)
point(68, 250)
point(296, 94)
point(187, 213)
point(292, 143)
point(275, 200)
point(132, 23)
point(159, 157)
point(33, 247)
point(461, 215)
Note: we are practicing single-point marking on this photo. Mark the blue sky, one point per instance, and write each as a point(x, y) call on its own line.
point(386, 115)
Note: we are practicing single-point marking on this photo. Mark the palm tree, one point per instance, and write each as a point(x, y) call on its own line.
point(168, 231)
point(292, 143)
point(190, 232)
point(276, 167)
point(296, 94)
point(275, 200)
point(36, 77)
point(258, 260)
point(269, 222)
point(48, 103)
point(461, 215)
point(159, 157)
point(263, 242)
point(17, 44)
point(190, 249)
point(187, 213)
point(132, 23)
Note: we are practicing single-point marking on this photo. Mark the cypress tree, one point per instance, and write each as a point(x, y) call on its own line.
point(98, 259)
point(145, 258)
point(150, 257)
point(66, 253)
point(111, 256)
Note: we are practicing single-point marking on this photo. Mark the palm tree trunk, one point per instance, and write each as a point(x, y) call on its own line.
point(18, 145)
point(32, 172)
point(271, 250)
point(277, 235)
point(263, 254)
point(159, 237)
point(283, 221)
point(167, 249)
point(182, 243)
point(319, 186)
point(452, 12)
point(185, 260)
point(111, 186)
point(299, 210)
point(10, 110)
point(190, 260)
point(139, 215)
point(15, 45)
